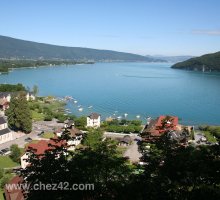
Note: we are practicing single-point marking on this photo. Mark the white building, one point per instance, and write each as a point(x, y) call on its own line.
point(75, 134)
point(94, 120)
point(7, 96)
point(5, 133)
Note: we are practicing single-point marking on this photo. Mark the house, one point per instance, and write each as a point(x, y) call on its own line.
point(39, 149)
point(75, 134)
point(5, 132)
point(14, 193)
point(76, 138)
point(4, 104)
point(157, 127)
point(30, 96)
point(69, 124)
point(5, 98)
point(94, 120)
point(125, 141)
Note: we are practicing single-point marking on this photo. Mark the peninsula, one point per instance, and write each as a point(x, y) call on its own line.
point(208, 62)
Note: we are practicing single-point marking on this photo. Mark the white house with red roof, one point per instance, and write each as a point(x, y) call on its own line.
point(39, 149)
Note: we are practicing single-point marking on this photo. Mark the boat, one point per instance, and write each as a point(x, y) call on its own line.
point(90, 106)
point(119, 117)
point(126, 114)
point(80, 109)
point(75, 101)
point(138, 116)
point(68, 98)
point(79, 106)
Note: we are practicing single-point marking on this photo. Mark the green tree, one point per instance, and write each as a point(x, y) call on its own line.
point(19, 114)
point(93, 138)
point(4, 180)
point(80, 122)
point(100, 165)
point(15, 153)
point(1, 173)
point(181, 172)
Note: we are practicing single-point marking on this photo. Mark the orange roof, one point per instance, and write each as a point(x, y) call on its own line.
point(162, 117)
point(44, 145)
point(14, 193)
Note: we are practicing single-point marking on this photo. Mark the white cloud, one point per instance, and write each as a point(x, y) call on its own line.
point(206, 32)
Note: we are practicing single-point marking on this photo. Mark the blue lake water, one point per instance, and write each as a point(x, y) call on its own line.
point(145, 89)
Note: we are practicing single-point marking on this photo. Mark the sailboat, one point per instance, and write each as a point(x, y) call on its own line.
point(203, 68)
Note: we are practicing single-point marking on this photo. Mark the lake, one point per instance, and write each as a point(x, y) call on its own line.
point(144, 89)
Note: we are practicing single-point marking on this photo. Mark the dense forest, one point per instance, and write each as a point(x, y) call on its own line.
point(208, 62)
point(21, 49)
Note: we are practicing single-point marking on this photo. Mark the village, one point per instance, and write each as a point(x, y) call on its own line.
point(130, 144)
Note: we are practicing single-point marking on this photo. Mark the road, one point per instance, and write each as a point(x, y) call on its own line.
point(19, 141)
point(133, 153)
point(37, 128)
point(132, 150)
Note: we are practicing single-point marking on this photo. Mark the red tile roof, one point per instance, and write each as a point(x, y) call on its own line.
point(155, 127)
point(174, 120)
point(14, 193)
point(44, 145)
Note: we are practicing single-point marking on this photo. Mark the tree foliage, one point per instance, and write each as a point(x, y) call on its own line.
point(19, 114)
point(15, 153)
point(206, 62)
point(12, 88)
point(98, 164)
point(177, 172)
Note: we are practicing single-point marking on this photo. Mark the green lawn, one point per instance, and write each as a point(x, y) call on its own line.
point(121, 149)
point(48, 135)
point(6, 162)
point(1, 194)
point(209, 136)
point(37, 116)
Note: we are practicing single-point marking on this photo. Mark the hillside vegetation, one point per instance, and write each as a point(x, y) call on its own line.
point(21, 49)
point(208, 62)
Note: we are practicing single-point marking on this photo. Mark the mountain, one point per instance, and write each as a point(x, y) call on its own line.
point(11, 48)
point(208, 62)
point(171, 59)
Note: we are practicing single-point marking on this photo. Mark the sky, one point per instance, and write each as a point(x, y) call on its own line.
point(146, 27)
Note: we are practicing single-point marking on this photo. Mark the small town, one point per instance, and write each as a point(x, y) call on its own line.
point(132, 138)
point(110, 100)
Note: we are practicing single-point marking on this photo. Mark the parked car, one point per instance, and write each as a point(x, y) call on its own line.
point(41, 133)
point(28, 139)
point(5, 151)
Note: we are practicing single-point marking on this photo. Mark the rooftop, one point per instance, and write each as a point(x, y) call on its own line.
point(44, 145)
point(94, 116)
point(2, 120)
point(4, 131)
point(12, 193)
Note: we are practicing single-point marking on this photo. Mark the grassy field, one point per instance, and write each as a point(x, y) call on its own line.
point(209, 136)
point(6, 162)
point(121, 150)
point(36, 116)
point(40, 109)
point(1, 194)
point(48, 135)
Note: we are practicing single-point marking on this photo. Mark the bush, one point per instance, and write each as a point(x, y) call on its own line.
point(136, 122)
point(15, 153)
point(48, 118)
point(1, 173)
point(3, 181)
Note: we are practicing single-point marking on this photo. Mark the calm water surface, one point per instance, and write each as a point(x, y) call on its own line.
point(143, 89)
